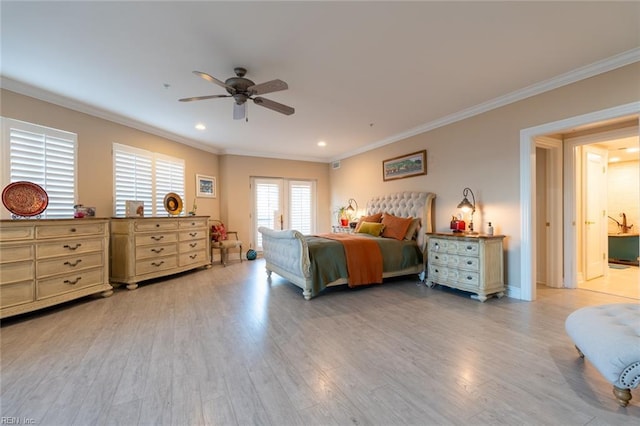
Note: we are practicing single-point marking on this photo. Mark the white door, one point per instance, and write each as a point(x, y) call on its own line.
point(594, 211)
point(283, 204)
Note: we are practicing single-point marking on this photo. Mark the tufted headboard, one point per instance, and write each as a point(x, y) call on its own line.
point(406, 204)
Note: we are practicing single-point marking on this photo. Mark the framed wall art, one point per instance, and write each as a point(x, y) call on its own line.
point(405, 166)
point(205, 186)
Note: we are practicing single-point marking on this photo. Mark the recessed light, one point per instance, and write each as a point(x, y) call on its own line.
point(633, 149)
point(322, 143)
point(201, 126)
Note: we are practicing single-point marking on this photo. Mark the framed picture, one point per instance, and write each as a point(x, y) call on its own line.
point(205, 186)
point(409, 165)
point(134, 208)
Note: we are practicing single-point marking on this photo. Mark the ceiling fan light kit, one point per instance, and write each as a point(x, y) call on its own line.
point(242, 89)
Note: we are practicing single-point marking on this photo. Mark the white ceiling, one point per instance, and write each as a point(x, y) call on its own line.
point(360, 74)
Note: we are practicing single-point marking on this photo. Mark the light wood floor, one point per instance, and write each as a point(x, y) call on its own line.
point(621, 282)
point(223, 346)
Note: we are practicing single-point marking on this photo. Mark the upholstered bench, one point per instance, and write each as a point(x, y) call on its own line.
point(609, 337)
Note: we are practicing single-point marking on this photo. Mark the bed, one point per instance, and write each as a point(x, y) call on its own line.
point(304, 261)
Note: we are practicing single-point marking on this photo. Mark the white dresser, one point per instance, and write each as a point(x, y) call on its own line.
point(472, 263)
point(47, 262)
point(146, 248)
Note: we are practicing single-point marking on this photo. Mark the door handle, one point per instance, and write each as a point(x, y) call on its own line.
point(589, 223)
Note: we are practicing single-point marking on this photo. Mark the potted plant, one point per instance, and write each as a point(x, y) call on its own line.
point(343, 218)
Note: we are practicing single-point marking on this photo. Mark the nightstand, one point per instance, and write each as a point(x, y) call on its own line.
point(468, 262)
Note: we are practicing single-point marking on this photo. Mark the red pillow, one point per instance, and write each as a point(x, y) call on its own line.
point(395, 227)
point(219, 233)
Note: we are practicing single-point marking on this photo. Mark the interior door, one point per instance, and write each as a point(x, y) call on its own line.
point(594, 211)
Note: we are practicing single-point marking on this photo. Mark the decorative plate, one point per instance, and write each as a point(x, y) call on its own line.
point(173, 203)
point(25, 198)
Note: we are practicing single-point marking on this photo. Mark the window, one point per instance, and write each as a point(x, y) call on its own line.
point(276, 208)
point(44, 156)
point(145, 176)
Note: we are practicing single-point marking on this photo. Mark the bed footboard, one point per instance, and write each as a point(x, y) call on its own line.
point(286, 253)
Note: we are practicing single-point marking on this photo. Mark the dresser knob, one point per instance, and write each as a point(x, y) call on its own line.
point(158, 263)
point(67, 246)
point(73, 229)
point(72, 282)
point(73, 264)
point(157, 225)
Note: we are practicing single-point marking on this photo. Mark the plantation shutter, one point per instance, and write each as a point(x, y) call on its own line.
point(301, 206)
point(169, 174)
point(132, 178)
point(141, 175)
point(46, 157)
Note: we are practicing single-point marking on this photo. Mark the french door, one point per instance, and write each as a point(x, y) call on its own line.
point(280, 203)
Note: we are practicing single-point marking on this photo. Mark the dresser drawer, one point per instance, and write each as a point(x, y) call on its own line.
point(155, 239)
point(194, 234)
point(194, 223)
point(18, 271)
point(158, 264)
point(16, 253)
point(436, 245)
point(147, 252)
point(159, 225)
point(193, 257)
point(193, 245)
point(438, 273)
point(70, 230)
point(16, 293)
point(67, 248)
point(70, 282)
point(68, 264)
point(13, 233)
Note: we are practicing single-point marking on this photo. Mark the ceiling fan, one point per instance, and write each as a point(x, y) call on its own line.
point(242, 89)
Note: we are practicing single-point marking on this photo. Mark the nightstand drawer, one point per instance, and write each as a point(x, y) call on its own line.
point(468, 248)
point(464, 262)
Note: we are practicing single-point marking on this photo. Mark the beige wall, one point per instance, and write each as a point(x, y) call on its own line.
point(482, 152)
point(95, 138)
point(236, 203)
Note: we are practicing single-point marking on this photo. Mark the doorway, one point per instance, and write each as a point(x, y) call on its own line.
point(529, 140)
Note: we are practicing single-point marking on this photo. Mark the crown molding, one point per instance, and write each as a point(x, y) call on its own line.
point(53, 98)
point(259, 154)
point(609, 64)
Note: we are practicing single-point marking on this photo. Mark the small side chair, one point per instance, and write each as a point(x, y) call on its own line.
point(220, 241)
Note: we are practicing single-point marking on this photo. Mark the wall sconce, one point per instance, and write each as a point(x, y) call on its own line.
point(466, 206)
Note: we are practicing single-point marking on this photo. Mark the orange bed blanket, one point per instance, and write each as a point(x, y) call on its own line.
point(364, 258)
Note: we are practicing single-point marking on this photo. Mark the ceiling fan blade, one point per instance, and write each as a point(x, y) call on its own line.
point(200, 98)
point(268, 87)
point(239, 111)
point(275, 106)
point(213, 80)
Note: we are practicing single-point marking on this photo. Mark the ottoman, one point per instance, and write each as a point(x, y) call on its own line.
point(609, 337)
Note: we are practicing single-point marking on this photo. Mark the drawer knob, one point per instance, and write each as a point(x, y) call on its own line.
point(73, 230)
point(469, 247)
point(192, 245)
point(157, 225)
point(73, 264)
point(157, 263)
point(469, 262)
point(193, 234)
point(67, 246)
point(157, 250)
point(469, 277)
point(72, 282)
point(157, 237)
point(193, 256)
